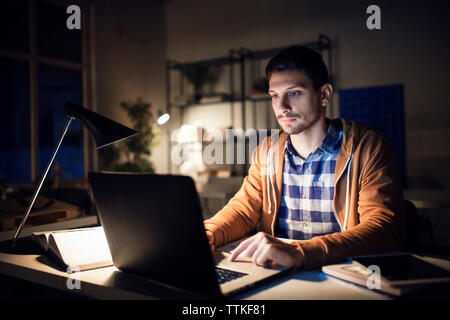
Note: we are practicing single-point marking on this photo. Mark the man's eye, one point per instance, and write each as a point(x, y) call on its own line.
point(274, 96)
point(294, 93)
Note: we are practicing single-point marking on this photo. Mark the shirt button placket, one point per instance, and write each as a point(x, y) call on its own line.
point(307, 222)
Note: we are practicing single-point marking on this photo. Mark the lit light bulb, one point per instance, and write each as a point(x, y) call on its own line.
point(163, 118)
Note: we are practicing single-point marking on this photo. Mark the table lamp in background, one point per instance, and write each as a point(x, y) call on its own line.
point(104, 130)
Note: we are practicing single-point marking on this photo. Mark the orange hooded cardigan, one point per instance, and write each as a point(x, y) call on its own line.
point(368, 199)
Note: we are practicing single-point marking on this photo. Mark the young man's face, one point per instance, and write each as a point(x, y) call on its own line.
point(296, 104)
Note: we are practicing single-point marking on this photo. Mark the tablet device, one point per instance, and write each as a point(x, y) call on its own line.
point(395, 273)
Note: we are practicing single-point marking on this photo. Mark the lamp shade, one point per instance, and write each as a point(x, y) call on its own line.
point(105, 131)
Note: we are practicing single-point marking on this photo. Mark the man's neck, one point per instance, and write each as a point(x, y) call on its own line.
point(309, 140)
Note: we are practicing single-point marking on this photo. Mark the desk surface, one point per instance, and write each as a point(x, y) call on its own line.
point(111, 283)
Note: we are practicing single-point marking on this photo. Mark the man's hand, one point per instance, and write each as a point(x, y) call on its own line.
point(265, 250)
point(210, 236)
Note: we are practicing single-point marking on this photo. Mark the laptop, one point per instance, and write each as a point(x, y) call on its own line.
point(396, 273)
point(154, 228)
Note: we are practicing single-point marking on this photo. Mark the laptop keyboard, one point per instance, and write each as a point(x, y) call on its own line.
point(224, 275)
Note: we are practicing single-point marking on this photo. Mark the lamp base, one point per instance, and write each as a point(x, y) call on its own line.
point(20, 246)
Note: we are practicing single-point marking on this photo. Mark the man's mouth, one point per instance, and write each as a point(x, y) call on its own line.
point(286, 119)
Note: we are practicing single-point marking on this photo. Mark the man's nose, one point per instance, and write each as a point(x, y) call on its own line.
point(283, 104)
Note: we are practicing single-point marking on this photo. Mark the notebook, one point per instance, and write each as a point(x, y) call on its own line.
point(154, 228)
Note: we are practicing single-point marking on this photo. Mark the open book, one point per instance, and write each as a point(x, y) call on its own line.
point(77, 249)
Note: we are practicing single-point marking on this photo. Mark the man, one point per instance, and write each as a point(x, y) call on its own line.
point(329, 185)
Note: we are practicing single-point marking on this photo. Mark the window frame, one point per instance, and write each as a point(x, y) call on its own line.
point(87, 75)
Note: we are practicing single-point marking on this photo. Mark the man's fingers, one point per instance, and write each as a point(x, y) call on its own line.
point(210, 237)
point(241, 247)
point(265, 256)
point(237, 251)
point(252, 247)
point(265, 250)
point(257, 253)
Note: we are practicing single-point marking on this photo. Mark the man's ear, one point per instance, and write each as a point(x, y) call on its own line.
point(326, 91)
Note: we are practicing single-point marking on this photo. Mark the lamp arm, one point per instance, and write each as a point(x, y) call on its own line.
point(41, 181)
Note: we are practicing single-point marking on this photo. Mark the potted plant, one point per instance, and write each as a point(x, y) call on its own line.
point(132, 154)
point(260, 86)
point(198, 76)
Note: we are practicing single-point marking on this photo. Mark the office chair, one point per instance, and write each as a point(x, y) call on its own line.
point(412, 227)
point(416, 226)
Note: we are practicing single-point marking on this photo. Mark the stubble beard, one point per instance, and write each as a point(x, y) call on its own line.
point(297, 128)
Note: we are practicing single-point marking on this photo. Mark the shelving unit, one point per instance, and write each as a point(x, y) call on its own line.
point(226, 61)
point(243, 70)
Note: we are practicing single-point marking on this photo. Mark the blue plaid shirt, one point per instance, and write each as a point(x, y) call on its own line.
point(306, 208)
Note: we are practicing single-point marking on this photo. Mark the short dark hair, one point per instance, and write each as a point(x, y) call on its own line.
point(301, 59)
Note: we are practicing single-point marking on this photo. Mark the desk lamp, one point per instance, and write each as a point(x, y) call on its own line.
point(163, 118)
point(104, 130)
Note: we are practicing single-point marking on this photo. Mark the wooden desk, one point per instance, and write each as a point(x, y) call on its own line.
point(102, 283)
point(111, 283)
